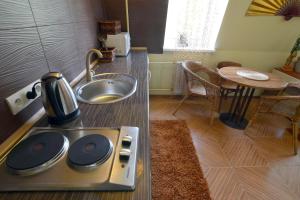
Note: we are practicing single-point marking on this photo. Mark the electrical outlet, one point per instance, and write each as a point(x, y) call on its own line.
point(18, 101)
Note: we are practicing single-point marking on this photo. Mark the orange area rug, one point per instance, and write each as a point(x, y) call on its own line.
point(176, 172)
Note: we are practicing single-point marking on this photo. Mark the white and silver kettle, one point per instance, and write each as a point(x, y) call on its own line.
point(58, 99)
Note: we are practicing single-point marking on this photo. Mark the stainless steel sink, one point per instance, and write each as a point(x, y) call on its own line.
point(107, 88)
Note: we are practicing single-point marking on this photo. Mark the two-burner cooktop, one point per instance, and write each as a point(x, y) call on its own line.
point(72, 159)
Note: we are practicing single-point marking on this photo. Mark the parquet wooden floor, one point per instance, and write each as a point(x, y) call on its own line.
point(257, 163)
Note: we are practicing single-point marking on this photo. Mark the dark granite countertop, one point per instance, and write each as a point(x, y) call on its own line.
point(133, 111)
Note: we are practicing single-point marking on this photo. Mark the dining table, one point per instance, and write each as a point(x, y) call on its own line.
point(247, 81)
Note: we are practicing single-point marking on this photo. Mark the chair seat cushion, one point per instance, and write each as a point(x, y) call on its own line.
point(198, 89)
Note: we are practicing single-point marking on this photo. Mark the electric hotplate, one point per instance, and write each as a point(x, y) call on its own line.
point(87, 159)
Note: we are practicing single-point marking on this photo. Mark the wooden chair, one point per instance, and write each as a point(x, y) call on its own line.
point(227, 87)
point(286, 104)
point(201, 81)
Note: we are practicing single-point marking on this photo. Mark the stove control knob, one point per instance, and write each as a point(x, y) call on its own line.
point(126, 141)
point(125, 154)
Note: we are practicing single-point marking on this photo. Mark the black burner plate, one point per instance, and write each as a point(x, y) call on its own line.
point(35, 150)
point(89, 150)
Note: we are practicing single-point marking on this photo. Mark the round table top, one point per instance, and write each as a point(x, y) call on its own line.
point(273, 83)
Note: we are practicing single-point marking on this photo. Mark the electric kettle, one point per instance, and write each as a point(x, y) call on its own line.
point(58, 99)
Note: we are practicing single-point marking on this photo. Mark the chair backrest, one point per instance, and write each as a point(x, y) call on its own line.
point(227, 64)
point(292, 92)
point(196, 73)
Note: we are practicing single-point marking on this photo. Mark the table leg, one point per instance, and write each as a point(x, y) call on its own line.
point(235, 117)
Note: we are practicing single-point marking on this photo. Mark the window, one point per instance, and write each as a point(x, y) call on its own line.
point(193, 24)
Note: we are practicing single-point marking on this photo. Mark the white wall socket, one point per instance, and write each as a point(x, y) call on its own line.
point(18, 101)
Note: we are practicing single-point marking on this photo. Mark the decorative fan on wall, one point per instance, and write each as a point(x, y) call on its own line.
point(286, 8)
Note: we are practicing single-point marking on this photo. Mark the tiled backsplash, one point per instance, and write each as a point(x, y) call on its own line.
point(37, 36)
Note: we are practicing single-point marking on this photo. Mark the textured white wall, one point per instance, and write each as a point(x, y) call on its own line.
point(255, 33)
point(261, 60)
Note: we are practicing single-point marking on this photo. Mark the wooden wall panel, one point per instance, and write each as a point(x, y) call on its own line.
point(115, 10)
point(37, 36)
point(47, 12)
point(60, 48)
point(147, 22)
point(98, 9)
point(81, 10)
point(15, 14)
point(86, 37)
point(22, 62)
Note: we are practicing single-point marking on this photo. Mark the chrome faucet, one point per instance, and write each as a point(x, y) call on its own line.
point(89, 72)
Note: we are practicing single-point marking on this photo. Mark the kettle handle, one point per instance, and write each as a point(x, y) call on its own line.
point(54, 98)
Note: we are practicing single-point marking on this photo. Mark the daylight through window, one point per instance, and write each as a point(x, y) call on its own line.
point(193, 24)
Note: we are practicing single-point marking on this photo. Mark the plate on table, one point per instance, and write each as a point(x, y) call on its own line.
point(253, 75)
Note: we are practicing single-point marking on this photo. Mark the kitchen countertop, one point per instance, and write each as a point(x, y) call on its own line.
point(133, 111)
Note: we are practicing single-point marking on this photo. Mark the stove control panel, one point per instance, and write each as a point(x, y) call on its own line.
point(123, 171)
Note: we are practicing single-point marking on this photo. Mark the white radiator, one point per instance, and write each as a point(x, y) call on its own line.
point(162, 76)
point(167, 78)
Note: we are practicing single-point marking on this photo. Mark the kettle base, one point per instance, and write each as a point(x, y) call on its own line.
point(65, 119)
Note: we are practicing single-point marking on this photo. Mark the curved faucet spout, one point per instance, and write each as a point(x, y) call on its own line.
point(89, 55)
